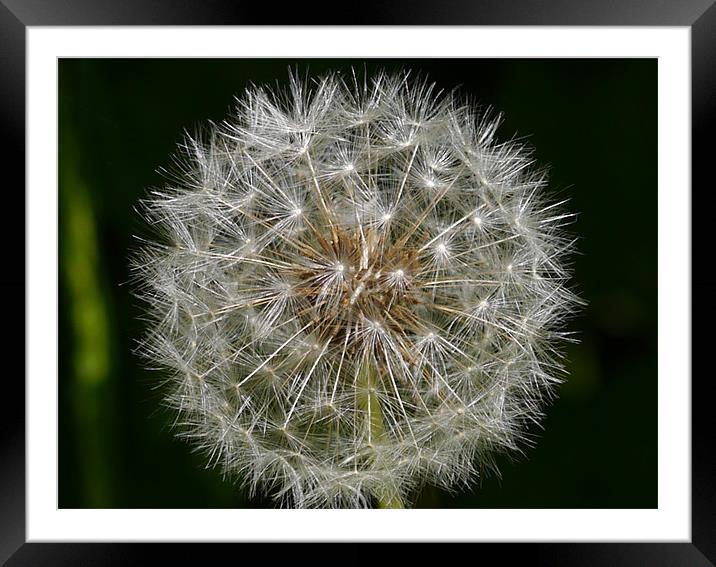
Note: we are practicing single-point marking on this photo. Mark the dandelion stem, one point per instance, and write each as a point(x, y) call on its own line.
point(390, 498)
point(391, 501)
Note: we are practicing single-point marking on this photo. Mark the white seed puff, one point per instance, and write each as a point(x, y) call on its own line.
point(355, 290)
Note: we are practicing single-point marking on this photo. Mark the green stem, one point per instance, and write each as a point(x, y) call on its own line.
point(390, 499)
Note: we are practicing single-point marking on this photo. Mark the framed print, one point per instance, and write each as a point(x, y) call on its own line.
point(273, 270)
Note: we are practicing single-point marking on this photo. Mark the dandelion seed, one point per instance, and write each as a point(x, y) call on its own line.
point(356, 291)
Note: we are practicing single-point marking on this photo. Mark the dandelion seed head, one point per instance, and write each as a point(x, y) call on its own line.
point(355, 290)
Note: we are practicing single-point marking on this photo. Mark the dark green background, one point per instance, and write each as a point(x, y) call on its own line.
point(593, 121)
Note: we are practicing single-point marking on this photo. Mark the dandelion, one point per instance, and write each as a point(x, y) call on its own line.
point(355, 290)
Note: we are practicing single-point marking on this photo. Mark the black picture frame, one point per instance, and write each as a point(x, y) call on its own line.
point(699, 15)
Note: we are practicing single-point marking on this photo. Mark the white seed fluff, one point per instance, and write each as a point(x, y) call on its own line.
point(355, 290)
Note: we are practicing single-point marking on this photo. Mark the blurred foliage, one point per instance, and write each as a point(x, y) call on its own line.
point(593, 121)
